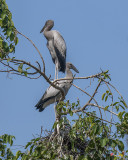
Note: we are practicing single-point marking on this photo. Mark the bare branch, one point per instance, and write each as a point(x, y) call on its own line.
point(92, 96)
point(85, 92)
point(35, 48)
point(76, 78)
point(39, 71)
point(95, 105)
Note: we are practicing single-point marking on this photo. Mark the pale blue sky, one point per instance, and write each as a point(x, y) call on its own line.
point(96, 34)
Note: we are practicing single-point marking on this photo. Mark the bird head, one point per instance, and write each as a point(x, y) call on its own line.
point(49, 24)
point(71, 66)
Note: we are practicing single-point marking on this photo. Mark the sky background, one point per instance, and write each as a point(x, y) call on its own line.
point(96, 34)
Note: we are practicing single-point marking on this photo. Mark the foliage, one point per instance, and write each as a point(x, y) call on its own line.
point(8, 36)
point(5, 151)
point(86, 137)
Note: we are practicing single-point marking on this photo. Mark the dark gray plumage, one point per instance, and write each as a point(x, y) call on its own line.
point(52, 94)
point(56, 46)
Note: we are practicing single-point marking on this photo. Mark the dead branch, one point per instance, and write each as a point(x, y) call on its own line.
point(35, 48)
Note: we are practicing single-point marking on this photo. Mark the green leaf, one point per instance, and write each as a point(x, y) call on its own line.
point(120, 115)
point(20, 68)
point(120, 145)
point(117, 108)
point(28, 144)
point(110, 94)
point(124, 103)
point(70, 112)
point(64, 109)
point(54, 125)
point(106, 98)
point(71, 157)
point(113, 143)
point(28, 68)
point(122, 106)
point(25, 73)
point(31, 149)
point(5, 44)
point(94, 128)
point(1, 40)
point(12, 37)
point(106, 108)
point(106, 71)
point(18, 153)
point(10, 141)
point(9, 59)
point(100, 129)
point(9, 31)
point(103, 142)
point(106, 128)
point(103, 96)
point(107, 91)
point(2, 153)
point(10, 16)
point(21, 65)
point(16, 40)
point(115, 103)
point(3, 15)
point(0, 22)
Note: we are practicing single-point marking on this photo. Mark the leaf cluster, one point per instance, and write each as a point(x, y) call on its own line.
point(5, 151)
point(8, 36)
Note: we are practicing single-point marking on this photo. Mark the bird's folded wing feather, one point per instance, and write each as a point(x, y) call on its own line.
point(60, 44)
point(51, 91)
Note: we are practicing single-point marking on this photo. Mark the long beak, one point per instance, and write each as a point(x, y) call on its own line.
point(74, 68)
point(42, 29)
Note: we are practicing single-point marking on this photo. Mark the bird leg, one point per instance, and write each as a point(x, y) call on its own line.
point(56, 117)
point(55, 110)
point(56, 72)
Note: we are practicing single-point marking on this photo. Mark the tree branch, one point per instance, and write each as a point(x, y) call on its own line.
point(38, 71)
point(35, 48)
point(92, 96)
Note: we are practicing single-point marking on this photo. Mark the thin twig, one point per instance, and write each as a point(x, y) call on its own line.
point(92, 96)
point(99, 118)
point(76, 78)
point(35, 48)
point(113, 88)
point(91, 104)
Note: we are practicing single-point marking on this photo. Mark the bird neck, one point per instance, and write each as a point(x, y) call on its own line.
point(69, 74)
point(48, 34)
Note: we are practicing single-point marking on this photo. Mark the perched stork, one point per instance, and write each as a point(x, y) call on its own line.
point(56, 46)
point(52, 94)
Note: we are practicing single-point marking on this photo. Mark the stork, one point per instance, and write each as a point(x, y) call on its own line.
point(52, 94)
point(56, 46)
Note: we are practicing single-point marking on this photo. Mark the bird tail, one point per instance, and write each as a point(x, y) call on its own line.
point(43, 103)
point(62, 66)
point(40, 105)
point(62, 61)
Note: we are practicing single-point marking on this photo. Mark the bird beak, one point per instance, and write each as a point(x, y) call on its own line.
point(74, 68)
point(42, 29)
